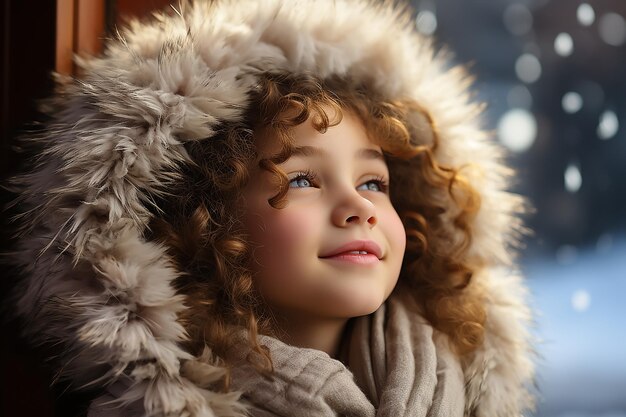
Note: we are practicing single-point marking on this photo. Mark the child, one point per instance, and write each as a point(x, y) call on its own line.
point(275, 208)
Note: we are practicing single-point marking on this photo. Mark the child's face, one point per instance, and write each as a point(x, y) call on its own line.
point(342, 204)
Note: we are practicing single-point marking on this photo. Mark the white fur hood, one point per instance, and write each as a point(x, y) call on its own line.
point(118, 133)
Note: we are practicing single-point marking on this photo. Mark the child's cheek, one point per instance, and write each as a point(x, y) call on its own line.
point(291, 229)
point(398, 234)
point(291, 241)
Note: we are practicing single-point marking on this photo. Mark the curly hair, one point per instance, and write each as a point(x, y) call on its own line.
point(201, 227)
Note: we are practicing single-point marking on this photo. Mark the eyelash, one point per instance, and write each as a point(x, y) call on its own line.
point(311, 177)
point(306, 175)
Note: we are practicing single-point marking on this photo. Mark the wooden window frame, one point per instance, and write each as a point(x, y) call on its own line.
point(81, 28)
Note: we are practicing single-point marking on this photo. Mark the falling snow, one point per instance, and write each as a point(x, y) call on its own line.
point(517, 130)
point(585, 14)
point(528, 68)
point(572, 102)
point(573, 178)
point(612, 29)
point(563, 44)
point(426, 22)
point(608, 125)
point(518, 19)
point(581, 300)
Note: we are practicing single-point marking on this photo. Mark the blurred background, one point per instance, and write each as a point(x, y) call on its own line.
point(552, 75)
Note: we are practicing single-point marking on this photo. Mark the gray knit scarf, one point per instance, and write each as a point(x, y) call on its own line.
point(395, 365)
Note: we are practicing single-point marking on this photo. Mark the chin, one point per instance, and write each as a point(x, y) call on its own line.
point(362, 306)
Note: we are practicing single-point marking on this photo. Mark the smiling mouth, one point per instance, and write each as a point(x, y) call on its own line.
point(358, 257)
point(359, 250)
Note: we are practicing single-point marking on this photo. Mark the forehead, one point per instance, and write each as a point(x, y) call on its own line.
point(349, 135)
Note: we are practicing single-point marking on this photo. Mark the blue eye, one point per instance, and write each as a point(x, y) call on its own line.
point(299, 182)
point(302, 180)
point(377, 184)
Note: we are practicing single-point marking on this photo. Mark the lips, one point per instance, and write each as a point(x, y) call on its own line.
point(368, 246)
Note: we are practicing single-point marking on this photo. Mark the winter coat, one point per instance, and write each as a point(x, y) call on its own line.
point(117, 134)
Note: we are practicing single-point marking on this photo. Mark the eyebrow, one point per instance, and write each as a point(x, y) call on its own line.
point(364, 153)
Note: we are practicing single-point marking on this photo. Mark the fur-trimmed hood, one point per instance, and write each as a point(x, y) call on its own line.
point(118, 133)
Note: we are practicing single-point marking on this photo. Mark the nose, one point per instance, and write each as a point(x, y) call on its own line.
point(353, 209)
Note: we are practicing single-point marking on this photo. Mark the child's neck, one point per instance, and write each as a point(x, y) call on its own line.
point(323, 334)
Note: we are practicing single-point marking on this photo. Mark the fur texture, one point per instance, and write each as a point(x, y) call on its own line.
point(94, 285)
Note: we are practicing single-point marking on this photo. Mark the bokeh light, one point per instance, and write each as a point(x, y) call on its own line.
point(585, 14)
point(612, 29)
point(563, 44)
point(608, 125)
point(528, 68)
point(573, 178)
point(581, 300)
point(518, 19)
point(517, 129)
point(572, 102)
point(426, 22)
